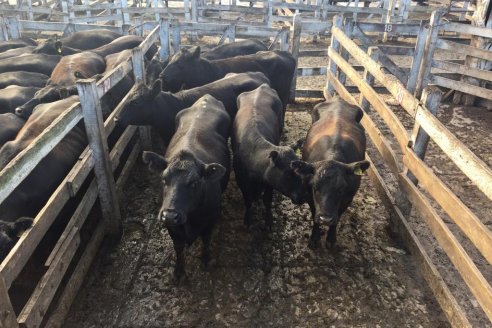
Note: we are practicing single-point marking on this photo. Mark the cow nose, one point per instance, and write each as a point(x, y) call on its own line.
point(327, 220)
point(170, 217)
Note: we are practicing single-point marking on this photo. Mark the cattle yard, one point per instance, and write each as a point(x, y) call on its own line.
point(414, 248)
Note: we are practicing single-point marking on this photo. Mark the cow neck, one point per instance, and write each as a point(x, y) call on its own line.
point(261, 150)
point(70, 51)
point(210, 70)
point(164, 101)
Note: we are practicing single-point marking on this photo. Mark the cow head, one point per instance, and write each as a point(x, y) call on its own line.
point(154, 68)
point(9, 232)
point(184, 181)
point(52, 46)
point(138, 108)
point(181, 68)
point(331, 182)
point(282, 176)
point(47, 94)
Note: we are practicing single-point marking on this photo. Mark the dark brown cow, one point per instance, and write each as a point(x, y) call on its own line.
point(83, 40)
point(16, 43)
point(334, 153)
point(14, 96)
point(10, 125)
point(37, 63)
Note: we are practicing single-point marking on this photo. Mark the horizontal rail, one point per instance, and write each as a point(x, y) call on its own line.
point(462, 86)
point(467, 29)
point(60, 26)
point(464, 49)
point(462, 69)
point(472, 166)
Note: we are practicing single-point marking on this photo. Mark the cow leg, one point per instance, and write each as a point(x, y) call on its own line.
point(315, 239)
point(331, 236)
point(206, 247)
point(179, 268)
point(267, 201)
point(247, 189)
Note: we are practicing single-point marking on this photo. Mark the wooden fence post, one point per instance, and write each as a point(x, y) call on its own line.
point(284, 39)
point(431, 98)
point(4, 36)
point(164, 38)
point(335, 45)
point(7, 314)
point(348, 29)
point(176, 35)
point(194, 11)
point(369, 78)
point(417, 57)
point(426, 62)
point(94, 126)
point(294, 47)
point(125, 16)
point(13, 27)
point(389, 14)
point(139, 74)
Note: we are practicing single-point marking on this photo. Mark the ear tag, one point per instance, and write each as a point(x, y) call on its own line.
point(298, 152)
point(59, 50)
point(358, 171)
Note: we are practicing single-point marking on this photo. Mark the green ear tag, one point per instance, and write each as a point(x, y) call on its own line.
point(358, 171)
point(59, 50)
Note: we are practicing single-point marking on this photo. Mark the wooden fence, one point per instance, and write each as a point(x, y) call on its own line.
point(96, 158)
point(410, 169)
point(474, 73)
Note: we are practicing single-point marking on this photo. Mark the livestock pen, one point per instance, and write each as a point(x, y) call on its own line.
point(273, 279)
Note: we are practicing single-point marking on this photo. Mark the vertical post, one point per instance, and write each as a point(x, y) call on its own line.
point(94, 126)
point(348, 30)
point(389, 14)
point(139, 74)
point(269, 13)
point(4, 36)
point(465, 8)
point(324, 10)
point(194, 10)
point(29, 8)
point(7, 314)
point(71, 12)
point(164, 38)
point(13, 27)
point(354, 15)
point(284, 39)
point(87, 12)
point(64, 6)
point(426, 62)
point(126, 15)
point(431, 98)
point(156, 14)
point(186, 5)
point(403, 9)
point(335, 45)
point(176, 35)
point(369, 78)
point(231, 33)
point(417, 58)
point(295, 47)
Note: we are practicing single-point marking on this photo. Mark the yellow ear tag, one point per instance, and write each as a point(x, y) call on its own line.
point(358, 171)
point(298, 152)
point(59, 50)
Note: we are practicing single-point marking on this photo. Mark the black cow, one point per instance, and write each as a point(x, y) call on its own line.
point(62, 81)
point(334, 160)
point(151, 106)
point(228, 50)
point(16, 43)
point(17, 52)
point(83, 40)
point(37, 63)
point(260, 164)
point(190, 70)
point(28, 198)
point(194, 171)
point(10, 124)
point(23, 79)
point(14, 96)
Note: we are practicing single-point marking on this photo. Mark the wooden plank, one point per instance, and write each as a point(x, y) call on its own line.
point(150, 39)
point(22, 165)
point(462, 87)
point(417, 58)
point(73, 285)
point(96, 136)
point(445, 298)
point(462, 69)
point(311, 71)
point(374, 99)
point(33, 312)
point(335, 45)
point(7, 313)
point(484, 32)
point(474, 279)
point(109, 124)
point(463, 157)
point(369, 78)
point(313, 53)
point(397, 50)
point(464, 218)
point(111, 78)
point(464, 49)
point(234, 9)
point(127, 169)
point(401, 29)
point(295, 47)
point(394, 86)
point(303, 93)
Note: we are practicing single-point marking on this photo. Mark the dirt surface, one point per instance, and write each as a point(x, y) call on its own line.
point(256, 278)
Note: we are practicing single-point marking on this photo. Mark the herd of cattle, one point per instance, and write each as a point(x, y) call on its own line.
point(195, 101)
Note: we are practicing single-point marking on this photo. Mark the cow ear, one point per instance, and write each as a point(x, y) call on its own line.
point(196, 53)
point(156, 88)
point(20, 225)
point(155, 161)
point(58, 47)
point(302, 168)
point(358, 168)
point(213, 171)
